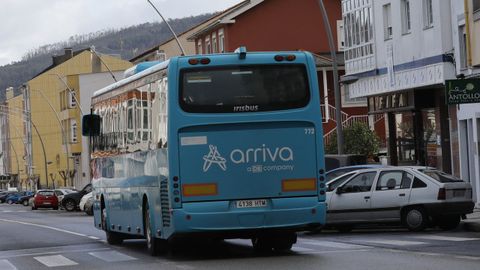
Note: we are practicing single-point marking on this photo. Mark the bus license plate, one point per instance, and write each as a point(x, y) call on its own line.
point(251, 203)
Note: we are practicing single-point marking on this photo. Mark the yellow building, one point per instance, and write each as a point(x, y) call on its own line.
point(474, 31)
point(57, 116)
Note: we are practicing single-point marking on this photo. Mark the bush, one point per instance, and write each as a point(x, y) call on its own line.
point(358, 139)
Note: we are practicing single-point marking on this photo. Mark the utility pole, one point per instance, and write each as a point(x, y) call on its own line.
point(338, 104)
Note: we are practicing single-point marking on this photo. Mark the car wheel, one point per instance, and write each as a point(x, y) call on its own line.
point(10, 202)
point(25, 203)
point(449, 222)
point(284, 242)
point(89, 211)
point(415, 219)
point(69, 205)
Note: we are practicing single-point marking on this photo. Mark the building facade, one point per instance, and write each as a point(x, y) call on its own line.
point(466, 117)
point(48, 133)
point(398, 54)
point(256, 24)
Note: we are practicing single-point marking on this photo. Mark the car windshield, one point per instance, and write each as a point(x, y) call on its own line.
point(46, 193)
point(441, 176)
point(338, 181)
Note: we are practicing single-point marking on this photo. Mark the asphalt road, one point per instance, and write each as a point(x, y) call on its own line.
point(45, 239)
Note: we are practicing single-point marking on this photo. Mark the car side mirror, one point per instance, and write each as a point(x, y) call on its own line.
point(339, 190)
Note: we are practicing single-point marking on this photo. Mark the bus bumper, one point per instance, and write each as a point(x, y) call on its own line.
point(293, 214)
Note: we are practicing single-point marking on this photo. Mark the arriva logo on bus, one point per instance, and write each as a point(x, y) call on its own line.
point(262, 154)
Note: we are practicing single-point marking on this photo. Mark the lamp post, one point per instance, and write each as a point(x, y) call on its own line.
point(36, 130)
point(338, 104)
point(64, 135)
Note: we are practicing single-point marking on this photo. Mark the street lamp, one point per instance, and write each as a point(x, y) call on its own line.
point(338, 104)
point(2, 107)
point(65, 139)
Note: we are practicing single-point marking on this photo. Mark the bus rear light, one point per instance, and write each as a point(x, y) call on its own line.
point(291, 57)
point(193, 61)
point(279, 58)
point(307, 184)
point(205, 61)
point(200, 189)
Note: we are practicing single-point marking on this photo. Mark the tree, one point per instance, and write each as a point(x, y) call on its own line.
point(359, 140)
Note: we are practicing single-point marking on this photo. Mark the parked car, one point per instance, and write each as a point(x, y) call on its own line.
point(71, 201)
point(86, 203)
point(61, 192)
point(343, 170)
point(397, 194)
point(3, 196)
point(25, 199)
point(14, 197)
point(45, 198)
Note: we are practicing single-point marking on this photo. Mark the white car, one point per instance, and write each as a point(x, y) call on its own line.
point(413, 197)
point(84, 200)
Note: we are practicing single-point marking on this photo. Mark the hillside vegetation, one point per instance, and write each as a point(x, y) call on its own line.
point(127, 42)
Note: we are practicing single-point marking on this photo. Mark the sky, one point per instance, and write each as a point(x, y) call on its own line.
point(29, 24)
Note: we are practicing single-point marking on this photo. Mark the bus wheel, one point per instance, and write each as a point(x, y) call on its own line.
point(113, 238)
point(262, 244)
point(284, 242)
point(154, 245)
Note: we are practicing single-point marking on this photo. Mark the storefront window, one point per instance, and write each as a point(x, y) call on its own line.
point(429, 137)
point(405, 138)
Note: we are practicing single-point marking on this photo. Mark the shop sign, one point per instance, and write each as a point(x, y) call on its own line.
point(391, 102)
point(462, 91)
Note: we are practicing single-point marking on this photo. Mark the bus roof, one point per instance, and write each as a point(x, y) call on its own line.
point(154, 68)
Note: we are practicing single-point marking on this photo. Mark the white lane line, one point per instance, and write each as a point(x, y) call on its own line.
point(112, 256)
point(6, 265)
point(42, 226)
point(468, 258)
point(394, 242)
point(300, 249)
point(55, 260)
point(93, 237)
point(331, 244)
point(50, 252)
point(445, 238)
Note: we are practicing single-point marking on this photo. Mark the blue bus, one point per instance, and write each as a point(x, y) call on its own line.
point(220, 146)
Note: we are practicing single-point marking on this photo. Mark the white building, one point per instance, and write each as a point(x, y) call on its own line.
point(399, 53)
point(466, 40)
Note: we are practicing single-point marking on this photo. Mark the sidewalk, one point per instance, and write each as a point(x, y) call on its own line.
point(472, 223)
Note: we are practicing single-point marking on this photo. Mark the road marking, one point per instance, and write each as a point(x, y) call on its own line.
point(43, 226)
point(300, 249)
point(468, 257)
point(55, 260)
point(394, 242)
point(331, 244)
point(445, 238)
point(6, 265)
point(48, 251)
point(94, 237)
point(112, 256)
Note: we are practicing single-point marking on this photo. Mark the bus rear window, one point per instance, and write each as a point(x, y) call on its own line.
point(244, 89)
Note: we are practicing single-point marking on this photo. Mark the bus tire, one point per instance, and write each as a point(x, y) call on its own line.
point(284, 242)
point(154, 245)
point(262, 244)
point(113, 238)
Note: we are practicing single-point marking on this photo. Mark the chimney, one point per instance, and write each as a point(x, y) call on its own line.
point(9, 93)
point(68, 53)
point(57, 60)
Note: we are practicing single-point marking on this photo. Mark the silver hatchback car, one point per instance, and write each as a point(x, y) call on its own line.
point(413, 197)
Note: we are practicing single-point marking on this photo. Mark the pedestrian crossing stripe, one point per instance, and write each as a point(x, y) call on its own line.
point(394, 242)
point(111, 256)
point(6, 265)
point(55, 260)
point(332, 244)
point(445, 238)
